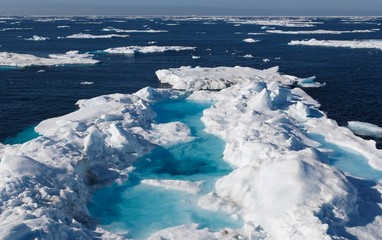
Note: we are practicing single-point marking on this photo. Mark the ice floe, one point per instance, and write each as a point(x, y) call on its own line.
point(322, 31)
point(220, 77)
point(111, 29)
point(146, 49)
point(92, 36)
point(23, 60)
point(36, 38)
point(365, 129)
point(373, 43)
point(284, 22)
point(281, 186)
point(250, 40)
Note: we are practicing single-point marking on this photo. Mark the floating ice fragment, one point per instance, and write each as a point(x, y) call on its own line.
point(250, 40)
point(365, 129)
point(341, 43)
point(146, 49)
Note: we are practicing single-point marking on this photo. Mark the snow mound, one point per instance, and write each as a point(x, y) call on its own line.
point(23, 60)
point(146, 49)
point(365, 129)
point(377, 44)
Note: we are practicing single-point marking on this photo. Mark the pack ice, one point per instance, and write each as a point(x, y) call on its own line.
point(281, 186)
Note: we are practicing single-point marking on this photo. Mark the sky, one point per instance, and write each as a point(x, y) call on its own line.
point(193, 7)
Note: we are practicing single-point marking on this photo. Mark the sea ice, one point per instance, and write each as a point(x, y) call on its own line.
point(111, 29)
point(146, 49)
point(321, 31)
point(250, 40)
point(365, 129)
point(341, 43)
point(281, 186)
point(91, 36)
point(37, 38)
point(24, 60)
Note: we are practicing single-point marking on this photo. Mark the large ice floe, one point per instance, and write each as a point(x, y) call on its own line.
point(373, 43)
point(281, 186)
point(365, 129)
point(146, 49)
point(24, 60)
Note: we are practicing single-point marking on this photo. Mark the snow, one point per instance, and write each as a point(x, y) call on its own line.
point(248, 56)
point(377, 44)
point(281, 186)
point(24, 60)
point(37, 38)
point(146, 49)
point(250, 40)
point(321, 31)
point(365, 129)
point(91, 36)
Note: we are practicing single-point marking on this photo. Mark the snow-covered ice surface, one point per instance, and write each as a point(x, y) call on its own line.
point(281, 186)
point(372, 43)
point(250, 40)
point(24, 60)
point(146, 49)
point(365, 129)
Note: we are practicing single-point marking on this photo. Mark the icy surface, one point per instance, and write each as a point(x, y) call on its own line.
point(321, 31)
point(340, 43)
point(146, 49)
point(282, 185)
point(86, 35)
point(24, 60)
point(365, 129)
point(250, 40)
point(111, 29)
point(37, 38)
point(188, 78)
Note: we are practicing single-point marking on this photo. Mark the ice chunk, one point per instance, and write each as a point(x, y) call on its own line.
point(108, 29)
point(365, 129)
point(250, 40)
point(179, 185)
point(37, 38)
point(322, 31)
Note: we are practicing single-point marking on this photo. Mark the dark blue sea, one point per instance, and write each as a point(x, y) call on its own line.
point(353, 77)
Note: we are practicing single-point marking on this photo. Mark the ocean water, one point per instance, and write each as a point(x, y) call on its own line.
point(139, 209)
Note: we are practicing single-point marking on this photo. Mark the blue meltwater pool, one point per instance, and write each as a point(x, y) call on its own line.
point(139, 209)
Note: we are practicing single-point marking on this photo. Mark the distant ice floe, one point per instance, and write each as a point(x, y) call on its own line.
point(91, 36)
point(341, 43)
point(86, 83)
point(111, 29)
point(281, 185)
point(284, 22)
point(146, 49)
point(248, 56)
point(14, 29)
point(24, 60)
point(36, 38)
point(322, 31)
point(365, 129)
point(63, 26)
point(250, 40)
